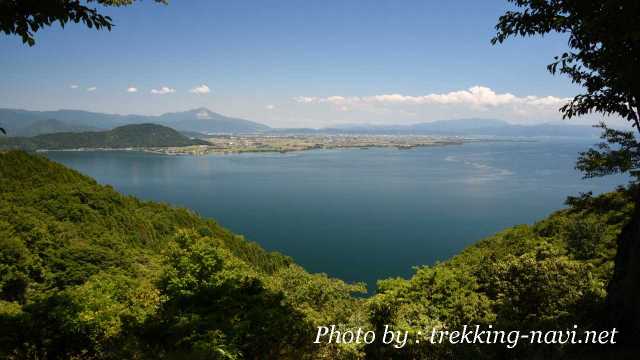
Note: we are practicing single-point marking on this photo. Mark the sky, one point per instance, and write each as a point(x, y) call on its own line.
point(291, 63)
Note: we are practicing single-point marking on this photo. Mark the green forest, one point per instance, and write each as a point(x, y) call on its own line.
point(88, 273)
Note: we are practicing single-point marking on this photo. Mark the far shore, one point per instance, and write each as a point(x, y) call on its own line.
point(239, 144)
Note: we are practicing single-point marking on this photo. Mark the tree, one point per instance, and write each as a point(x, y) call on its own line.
point(217, 307)
point(25, 17)
point(604, 50)
point(618, 153)
point(604, 58)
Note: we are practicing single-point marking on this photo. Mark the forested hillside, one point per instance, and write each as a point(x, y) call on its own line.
point(86, 272)
point(128, 136)
point(547, 276)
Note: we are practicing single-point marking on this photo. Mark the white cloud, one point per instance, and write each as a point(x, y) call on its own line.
point(477, 97)
point(74, 86)
point(200, 90)
point(163, 90)
point(92, 88)
point(132, 89)
point(270, 107)
point(475, 101)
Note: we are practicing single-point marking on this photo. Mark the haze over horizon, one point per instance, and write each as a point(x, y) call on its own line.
point(394, 65)
point(206, 113)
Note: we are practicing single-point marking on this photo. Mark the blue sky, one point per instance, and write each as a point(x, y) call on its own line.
point(292, 63)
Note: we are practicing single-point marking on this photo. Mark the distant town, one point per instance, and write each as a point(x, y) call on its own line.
point(229, 144)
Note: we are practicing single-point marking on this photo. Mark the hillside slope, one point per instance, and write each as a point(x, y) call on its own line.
point(88, 273)
point(547, 276)
point(128, 136)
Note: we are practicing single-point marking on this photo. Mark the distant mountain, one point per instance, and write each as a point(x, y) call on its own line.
point(15, 120)
point(463, 125)
point(491, 127)
point(458, 127)
point(128, 136)
point(206, 121)
point(198, 120)
point(49, 126)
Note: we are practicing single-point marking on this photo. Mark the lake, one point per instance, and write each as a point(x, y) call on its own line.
point(360, 215)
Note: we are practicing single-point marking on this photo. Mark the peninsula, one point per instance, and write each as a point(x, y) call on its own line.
point(135, 136)
point(229, 144)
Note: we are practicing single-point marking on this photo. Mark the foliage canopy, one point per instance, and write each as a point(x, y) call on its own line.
point(604, 50)
point(25, 17)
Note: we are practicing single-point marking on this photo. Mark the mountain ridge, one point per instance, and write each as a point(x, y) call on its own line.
point(457, 127)
point(204, 121)
point(51, 126)
point(15, 120)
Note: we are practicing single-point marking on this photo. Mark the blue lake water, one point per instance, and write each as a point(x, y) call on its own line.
point(360, 215)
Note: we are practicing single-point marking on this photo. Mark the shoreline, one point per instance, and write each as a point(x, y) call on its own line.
point(229, 144)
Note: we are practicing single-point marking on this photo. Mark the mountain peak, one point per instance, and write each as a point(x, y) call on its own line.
point(202, 113)
point(200, 109)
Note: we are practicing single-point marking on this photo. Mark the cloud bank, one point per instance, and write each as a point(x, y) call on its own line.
point(474, 97)
point(396, 108)
point(132, 89)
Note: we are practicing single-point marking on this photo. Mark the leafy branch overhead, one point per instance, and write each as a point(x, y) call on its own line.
point(25, 17)
point(604, 50)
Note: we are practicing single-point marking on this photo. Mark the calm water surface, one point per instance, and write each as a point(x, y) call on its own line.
point(360, 215)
